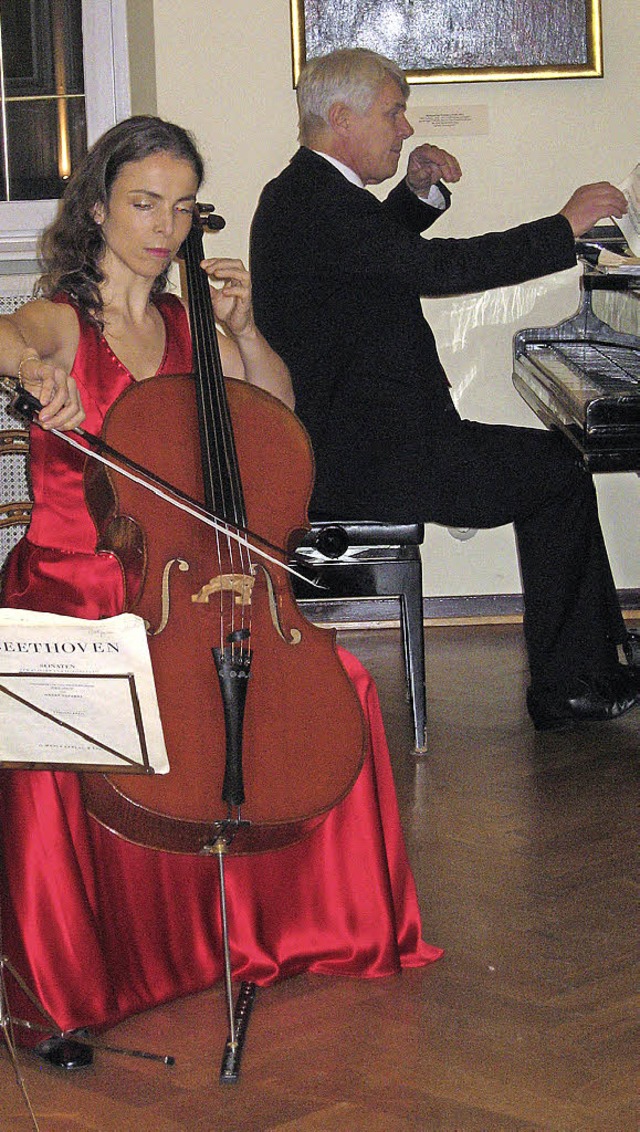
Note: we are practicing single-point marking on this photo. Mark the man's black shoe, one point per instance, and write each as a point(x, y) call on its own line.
point(66, 1052)
point(596, 699)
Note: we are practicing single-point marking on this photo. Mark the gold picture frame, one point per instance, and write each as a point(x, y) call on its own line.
point(482, 40)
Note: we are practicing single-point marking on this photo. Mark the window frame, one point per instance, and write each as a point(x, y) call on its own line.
point(107, 100)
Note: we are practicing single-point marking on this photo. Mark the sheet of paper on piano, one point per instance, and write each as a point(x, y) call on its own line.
point(613, 264)
point(629, 224)
point(77, 694)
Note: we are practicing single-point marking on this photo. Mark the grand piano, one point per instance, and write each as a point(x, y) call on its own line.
point(583, 375)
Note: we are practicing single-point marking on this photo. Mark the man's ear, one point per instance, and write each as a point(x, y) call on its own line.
point(340, 118)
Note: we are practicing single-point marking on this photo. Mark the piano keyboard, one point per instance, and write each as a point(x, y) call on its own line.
point(583, 376)
point(602, 367)
point(590, 390)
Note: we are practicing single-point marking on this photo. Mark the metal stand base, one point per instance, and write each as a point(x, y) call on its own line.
point(49, 1028)
point(238, 1014)
point(7, 1023)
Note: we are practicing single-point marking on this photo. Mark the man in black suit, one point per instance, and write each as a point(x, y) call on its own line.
point(337, 281)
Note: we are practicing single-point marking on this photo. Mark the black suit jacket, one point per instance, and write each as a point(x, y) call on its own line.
point(337, 280)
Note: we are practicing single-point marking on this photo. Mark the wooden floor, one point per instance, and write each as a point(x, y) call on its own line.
point(523, 847)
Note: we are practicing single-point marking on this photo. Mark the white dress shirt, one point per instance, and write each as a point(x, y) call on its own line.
point(434, 197)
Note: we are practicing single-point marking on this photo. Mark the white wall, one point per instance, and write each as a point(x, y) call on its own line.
point(224, 71)
point(142, 63)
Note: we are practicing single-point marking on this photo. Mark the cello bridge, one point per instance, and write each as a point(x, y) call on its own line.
point(239, 584)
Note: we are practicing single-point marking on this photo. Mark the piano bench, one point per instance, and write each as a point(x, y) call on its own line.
point(369, 559)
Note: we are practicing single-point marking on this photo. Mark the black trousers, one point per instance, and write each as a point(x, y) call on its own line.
point(478, 475)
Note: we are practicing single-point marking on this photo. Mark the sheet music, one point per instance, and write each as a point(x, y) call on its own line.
point(77, 694)
point(629, 224)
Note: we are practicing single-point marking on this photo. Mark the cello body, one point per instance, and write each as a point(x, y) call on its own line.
point(303, 733)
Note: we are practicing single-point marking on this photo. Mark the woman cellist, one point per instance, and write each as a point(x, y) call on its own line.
point(145, 923)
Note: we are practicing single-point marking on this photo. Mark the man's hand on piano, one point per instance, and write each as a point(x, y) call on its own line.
point(591, 203)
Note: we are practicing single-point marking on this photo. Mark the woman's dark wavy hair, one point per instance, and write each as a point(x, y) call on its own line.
point(72, 246)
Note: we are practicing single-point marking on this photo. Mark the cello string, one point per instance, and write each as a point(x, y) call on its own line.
point(220, 415)
point(217, 430)
point(206, 431)
point(220, 411)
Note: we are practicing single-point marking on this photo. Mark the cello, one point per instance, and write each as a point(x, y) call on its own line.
point(263, 728)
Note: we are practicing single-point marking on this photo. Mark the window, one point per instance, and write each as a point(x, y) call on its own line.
point(64, 79)
point(43, 103)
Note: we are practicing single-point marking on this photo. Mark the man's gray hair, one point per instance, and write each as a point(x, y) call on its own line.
point(352, 75)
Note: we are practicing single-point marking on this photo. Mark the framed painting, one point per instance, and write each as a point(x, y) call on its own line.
point(448, 41)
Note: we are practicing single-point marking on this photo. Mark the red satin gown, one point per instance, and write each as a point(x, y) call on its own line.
point(101, 929)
